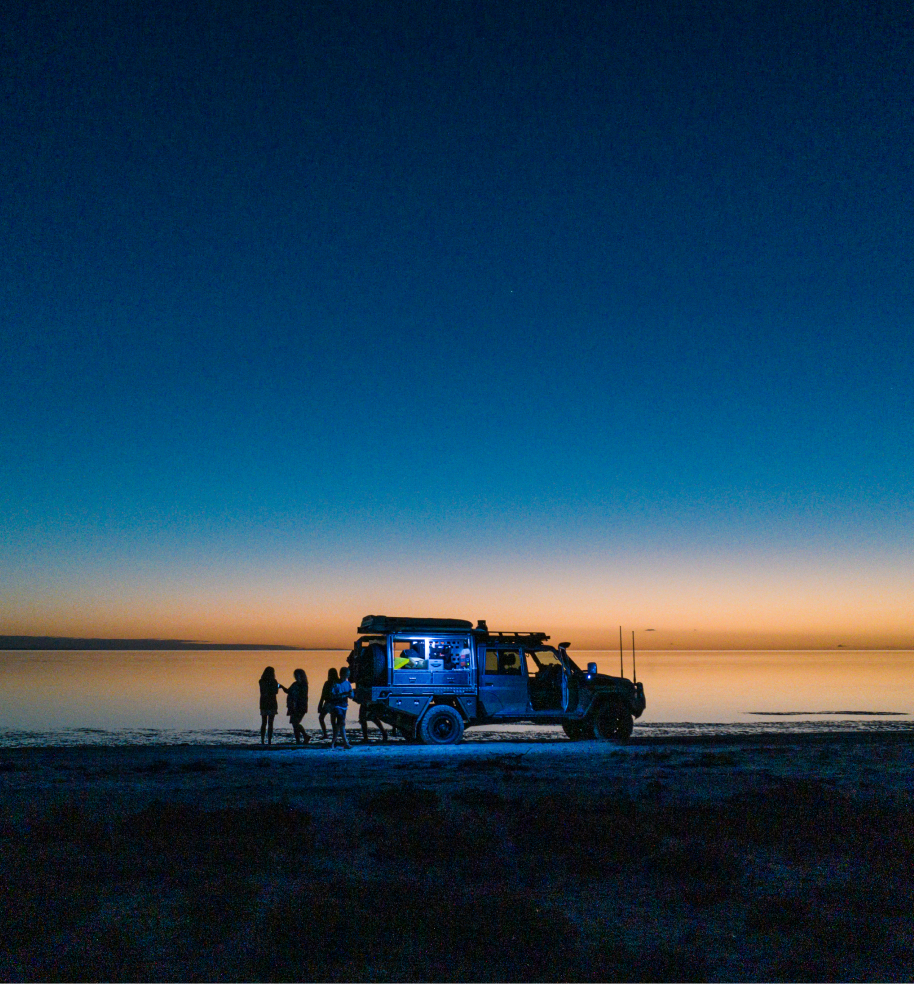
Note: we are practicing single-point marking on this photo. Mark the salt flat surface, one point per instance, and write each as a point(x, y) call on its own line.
point(504, 735)
point(683, 767)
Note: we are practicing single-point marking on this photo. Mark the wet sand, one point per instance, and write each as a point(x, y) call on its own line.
point(766, 856)
point(109, 778)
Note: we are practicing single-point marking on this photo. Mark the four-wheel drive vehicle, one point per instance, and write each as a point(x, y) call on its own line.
point(433, 677)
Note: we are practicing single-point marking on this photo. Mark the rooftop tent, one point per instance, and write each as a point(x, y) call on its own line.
point(392, 623)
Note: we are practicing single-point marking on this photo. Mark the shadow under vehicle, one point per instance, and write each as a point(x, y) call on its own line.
point(432, 678)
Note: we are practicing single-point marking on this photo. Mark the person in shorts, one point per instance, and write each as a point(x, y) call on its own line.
point(338, 703)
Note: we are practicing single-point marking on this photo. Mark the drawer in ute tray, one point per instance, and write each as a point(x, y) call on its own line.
point(404, 678)
point(451, 678)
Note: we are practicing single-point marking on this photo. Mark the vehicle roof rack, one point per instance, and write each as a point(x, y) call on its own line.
point(395, 623)
point(531, 638)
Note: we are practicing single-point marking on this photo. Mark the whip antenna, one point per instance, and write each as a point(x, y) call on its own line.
point(634, 670)
point(621, 670)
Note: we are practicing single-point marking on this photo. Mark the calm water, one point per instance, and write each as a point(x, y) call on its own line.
point(146, 697)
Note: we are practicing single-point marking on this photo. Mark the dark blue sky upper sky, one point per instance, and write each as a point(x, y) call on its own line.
point(453, 278)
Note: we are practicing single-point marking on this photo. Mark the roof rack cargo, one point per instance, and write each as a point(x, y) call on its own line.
point(518, 637)
point(393, 623)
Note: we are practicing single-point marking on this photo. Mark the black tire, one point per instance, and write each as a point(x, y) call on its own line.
point(574, 729)
point(613, 721)
point(378, 664)
point(369, 666)
point(441, 726)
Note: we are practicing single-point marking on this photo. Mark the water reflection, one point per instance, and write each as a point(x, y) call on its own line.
point(174, 697)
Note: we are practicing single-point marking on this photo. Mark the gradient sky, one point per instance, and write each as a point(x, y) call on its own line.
point(511, 310)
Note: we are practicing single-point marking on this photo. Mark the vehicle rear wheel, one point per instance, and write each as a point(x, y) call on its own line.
point(441, 726)
point(574, 729)
point(613, 721)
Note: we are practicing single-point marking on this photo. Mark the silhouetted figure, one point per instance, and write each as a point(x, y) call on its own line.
point(339, 702)
point(356, 669)
point(364, 718)
point(508, 664)
point(297, 705)
point(269, 688)
point(323, 708)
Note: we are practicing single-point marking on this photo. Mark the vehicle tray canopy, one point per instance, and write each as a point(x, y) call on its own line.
point(434, 677)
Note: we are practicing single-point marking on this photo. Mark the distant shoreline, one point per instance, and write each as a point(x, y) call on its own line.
point(69, 644)
point(24, 643)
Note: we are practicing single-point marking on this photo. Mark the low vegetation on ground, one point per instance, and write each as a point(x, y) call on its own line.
point(803, 883)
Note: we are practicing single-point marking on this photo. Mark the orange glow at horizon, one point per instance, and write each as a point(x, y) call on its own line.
point(758, 604)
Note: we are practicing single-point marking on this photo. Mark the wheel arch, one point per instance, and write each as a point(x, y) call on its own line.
point(600, 700)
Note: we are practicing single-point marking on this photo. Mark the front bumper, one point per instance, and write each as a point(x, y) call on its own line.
point(640, 700)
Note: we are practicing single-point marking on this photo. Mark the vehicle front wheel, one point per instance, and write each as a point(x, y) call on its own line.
point(574, 729)
point(441, 726)
point(613, 721)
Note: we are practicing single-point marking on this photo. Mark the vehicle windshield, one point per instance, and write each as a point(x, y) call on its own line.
point(548, 657)
point(544, 657)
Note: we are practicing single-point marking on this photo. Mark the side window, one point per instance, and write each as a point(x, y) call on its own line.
point(410, 653)
point(503, 662)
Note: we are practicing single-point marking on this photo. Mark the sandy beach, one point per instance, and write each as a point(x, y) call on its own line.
point(737, 857)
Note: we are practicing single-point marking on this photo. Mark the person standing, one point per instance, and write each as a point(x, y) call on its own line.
point(297, 706)
point(269, 688)
point(339, 702)
point(323, 705)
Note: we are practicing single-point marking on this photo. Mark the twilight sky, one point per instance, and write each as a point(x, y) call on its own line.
point(558, 317)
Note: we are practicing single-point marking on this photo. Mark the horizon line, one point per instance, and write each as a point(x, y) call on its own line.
point(30, 643)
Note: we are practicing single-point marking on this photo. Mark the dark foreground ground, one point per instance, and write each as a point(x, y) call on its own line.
point(754, 859)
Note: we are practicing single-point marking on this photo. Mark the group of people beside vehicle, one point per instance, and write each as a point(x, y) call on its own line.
point(334, 701)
